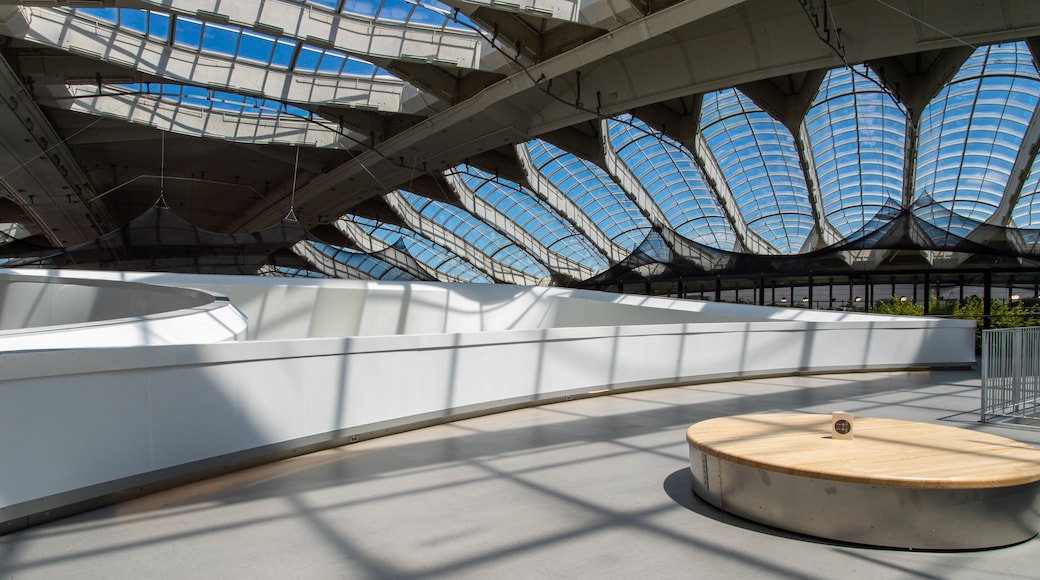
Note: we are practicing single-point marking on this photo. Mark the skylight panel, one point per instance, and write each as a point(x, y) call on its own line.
point(1026, 213)
point(971, 132)
point(362, 7)
point(593, 191)
point(857, 135)
point(395, 10)
point(158, 26)
point(256, 47)
point(187, 32)
point(759, 160)
point(530, 214)
point(479, 235)
point(135, 20)
point(222, 40)
point(235, 42)
point(432, 256)
point(372, 266)
point(670, 175)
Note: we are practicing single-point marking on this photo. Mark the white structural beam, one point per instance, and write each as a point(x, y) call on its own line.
point(570, 211)
point(348, 33)
point(199, 122)
point(39, 173)
point(102, 41)
point(750, 240)
point(509, 228)
point(1019, 172)
point(511, 110)
point(448, 239)
point(632, 187)
point(604, 14)
point(389, 253)
point(326, 264)
point(827, 233)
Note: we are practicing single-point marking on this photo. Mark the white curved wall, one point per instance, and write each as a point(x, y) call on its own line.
point(84, 424)
point(40, 312)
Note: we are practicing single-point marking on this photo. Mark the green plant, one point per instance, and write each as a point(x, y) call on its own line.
point(896, 306)
point(1001, 315)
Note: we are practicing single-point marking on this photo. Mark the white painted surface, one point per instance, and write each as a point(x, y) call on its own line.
point(75, 422)
point(38, 312)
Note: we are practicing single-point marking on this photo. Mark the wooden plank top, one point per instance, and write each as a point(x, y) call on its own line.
point(885, 452)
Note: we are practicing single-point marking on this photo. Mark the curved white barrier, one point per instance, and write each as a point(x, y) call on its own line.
point(39, 312)
point(85, 425)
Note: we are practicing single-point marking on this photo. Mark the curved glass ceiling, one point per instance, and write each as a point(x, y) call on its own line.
point(970, 136)
point(857, 134)
point(413, 12)
point(529, 214)
point(593, 191)
point(432, 256)
point(971, 132)
point(848, 160)
point(672, 178)
point(234, 42)
point(759, 159)
point(445, 224)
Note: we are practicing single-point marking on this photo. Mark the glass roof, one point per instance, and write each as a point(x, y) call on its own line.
point(969, 138)
point(370, 265)
point(592, 190)
point(971, 132)
point(672, 178)
point(215, 100)
point(474, 232)
point(234, 42)
point(523, 207)
point(412, 12)
point(432, 256)
point(857, 134)
point(1027, 211)
point(759, 159)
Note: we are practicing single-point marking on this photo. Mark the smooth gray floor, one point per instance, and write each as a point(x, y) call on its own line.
point(591, 488)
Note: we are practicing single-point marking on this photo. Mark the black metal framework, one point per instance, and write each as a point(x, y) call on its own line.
point(848, 290)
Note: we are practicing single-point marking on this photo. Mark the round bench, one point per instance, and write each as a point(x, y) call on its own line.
point(895, 484)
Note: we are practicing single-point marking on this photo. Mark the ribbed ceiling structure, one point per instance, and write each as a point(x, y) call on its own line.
point(538, 142)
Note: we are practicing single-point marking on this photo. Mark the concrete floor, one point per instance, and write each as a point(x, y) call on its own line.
point(590, 488)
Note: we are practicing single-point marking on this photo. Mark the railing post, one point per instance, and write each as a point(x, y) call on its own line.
point(985, 376)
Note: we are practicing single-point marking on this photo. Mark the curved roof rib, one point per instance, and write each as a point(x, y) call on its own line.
point(350, 33)
point(530, 225)
point(466, 236)
point(342, 263)
point(648, 206)
point(592, 191)
point(99, 40)
point(167, 112)
point(409, 251)
point(971, 133)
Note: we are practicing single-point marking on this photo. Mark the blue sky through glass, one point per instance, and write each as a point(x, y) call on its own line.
point(759, 159)
point(432, 256)
point(523, 207)
point(857, 135)
point(592, 190)
point(971, 132)
point(672, 178)
point(478, 234)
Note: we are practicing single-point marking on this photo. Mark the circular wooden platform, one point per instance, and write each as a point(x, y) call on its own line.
point(896, 483)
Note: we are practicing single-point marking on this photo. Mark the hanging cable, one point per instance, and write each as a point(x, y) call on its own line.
point(161, 202)
point(291, 216)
